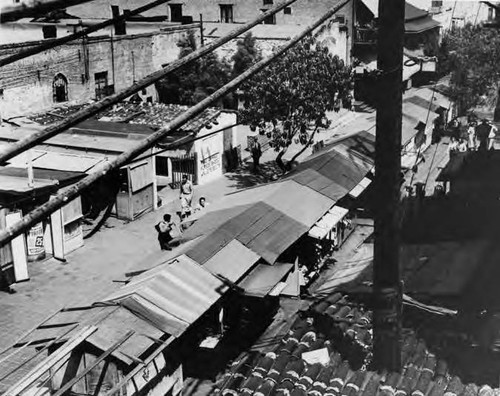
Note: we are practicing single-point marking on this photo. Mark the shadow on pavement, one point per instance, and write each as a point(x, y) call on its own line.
point(245, 177)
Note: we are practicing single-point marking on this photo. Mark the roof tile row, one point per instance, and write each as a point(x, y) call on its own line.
point(341, 326)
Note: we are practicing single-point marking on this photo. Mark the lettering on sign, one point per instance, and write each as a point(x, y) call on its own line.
point(35, 240)
point(210, 164)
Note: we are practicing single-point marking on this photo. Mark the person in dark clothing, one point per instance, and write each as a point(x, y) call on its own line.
point(164, 229)
point(482, 133)
point(256, 154)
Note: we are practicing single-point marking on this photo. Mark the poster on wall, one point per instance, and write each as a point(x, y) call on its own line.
point(35, 242)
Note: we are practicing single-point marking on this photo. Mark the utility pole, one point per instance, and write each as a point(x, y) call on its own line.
point(386, 272)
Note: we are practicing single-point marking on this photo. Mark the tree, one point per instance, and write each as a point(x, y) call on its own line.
point(471, 54)
point(196, 80)
point(293, 94)
point(246, 54)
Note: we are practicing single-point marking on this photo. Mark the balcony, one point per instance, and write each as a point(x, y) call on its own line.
point(365, 35)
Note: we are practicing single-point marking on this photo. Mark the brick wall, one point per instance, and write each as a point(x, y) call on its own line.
point(27, 84)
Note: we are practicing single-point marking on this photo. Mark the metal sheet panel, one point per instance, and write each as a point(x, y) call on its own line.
point(299, 202)
point(363, 184)
point(66, 162)
point(232, 262)
point(264, 278)
point(278, 237)
point(21, 160)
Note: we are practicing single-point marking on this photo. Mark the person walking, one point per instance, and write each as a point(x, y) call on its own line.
point(186, 196)
point(483, 132)
point(492, 135)
point(165, 229)
point(256, 154)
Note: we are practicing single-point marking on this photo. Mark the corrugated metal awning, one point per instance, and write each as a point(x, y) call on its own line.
point(327, 222)
point(264, 278)
point(174, 296)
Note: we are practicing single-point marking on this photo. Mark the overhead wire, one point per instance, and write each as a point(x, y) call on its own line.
point(57, 42)
point(58, 201)
point(14, 149)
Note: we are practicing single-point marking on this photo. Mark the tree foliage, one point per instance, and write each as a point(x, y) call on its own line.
point(472, 55)
point(196, 80)
point(293, 94)
point(246, 54)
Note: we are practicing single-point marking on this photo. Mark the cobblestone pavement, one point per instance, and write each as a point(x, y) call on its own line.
point(116, 249)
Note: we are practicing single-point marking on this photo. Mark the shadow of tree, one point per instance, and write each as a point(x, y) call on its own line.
point(244, 176)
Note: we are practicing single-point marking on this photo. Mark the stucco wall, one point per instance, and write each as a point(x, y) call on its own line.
point(27, 84)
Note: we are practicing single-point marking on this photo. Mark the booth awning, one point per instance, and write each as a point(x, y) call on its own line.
point(327, 222)
point(420, 25)
point(264, 278)
point(363, 184)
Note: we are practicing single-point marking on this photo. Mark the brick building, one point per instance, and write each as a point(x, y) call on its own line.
point(84, 69)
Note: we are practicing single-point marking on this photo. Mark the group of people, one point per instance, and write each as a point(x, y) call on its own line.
point(480, 137)
point(167, 228)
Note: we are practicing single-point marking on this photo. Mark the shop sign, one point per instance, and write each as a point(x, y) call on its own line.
point(210, 164)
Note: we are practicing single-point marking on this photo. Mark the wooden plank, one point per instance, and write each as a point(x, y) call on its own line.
point(115, 346)
point(50, 361)
point(38, 353)
point(27, 333)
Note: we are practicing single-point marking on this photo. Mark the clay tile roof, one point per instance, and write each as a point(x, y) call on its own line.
point(155, 115)
point(340, 330)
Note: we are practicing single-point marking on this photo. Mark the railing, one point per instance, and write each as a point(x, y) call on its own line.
point(365, 35)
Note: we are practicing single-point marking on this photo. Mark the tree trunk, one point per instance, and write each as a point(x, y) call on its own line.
point(309, 142)
point(279, 159)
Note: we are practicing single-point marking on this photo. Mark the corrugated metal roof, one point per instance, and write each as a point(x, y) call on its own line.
point(263, 229)
point(232, 261)
point(173, 296)
point(264, 278)
point(63, 177)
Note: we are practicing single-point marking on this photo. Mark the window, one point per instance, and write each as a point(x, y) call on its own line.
point(161, 166)
point(270, 20)
point(490, 14)
point(287, 10)
point(49, 31)
point(226, 13)
point(102, 89)
point(436, 3)
point(175, 12)
point(60, 88)
point(267, 2)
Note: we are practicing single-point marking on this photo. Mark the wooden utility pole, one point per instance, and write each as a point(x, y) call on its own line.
point(387, 283)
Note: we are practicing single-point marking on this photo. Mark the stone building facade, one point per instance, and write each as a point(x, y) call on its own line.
point(85, 69)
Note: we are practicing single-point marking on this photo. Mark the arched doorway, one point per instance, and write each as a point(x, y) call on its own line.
point(60, 88)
